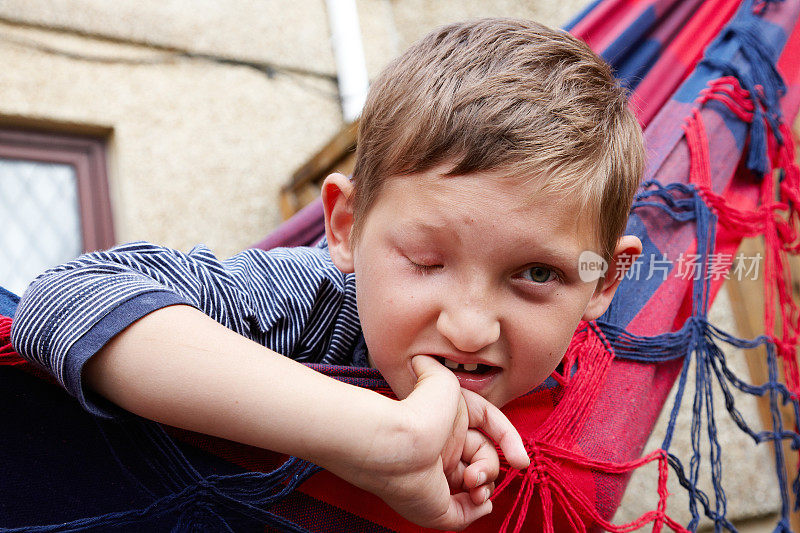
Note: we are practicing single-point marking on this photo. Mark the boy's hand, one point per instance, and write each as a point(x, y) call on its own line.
point(441, 445)
point(470, 459)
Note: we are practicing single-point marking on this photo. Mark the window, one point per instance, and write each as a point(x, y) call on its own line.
point(53, 202)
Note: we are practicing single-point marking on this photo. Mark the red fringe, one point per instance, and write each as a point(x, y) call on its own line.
point(552, 452)
point(8, 356)
point(776, 218)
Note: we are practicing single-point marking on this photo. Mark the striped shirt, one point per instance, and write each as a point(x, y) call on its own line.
point(291, 300)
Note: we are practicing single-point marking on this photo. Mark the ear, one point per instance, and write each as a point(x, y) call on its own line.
point(627, 250)
point(337, 193)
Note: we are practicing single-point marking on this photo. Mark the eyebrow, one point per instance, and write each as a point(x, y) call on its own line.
point(550, 254)
point(563, 260)
point(429, 228)
point(546, 253)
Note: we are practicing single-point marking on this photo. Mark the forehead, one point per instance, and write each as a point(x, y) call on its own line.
point(512, 207)
point(476, 188)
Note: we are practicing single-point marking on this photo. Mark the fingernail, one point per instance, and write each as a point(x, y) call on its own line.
point(481, 478)
point(486, 494)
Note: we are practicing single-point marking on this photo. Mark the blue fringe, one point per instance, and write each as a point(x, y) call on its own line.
point(758, 75)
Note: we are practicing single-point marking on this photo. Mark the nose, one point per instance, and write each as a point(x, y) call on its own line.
point(468, 327)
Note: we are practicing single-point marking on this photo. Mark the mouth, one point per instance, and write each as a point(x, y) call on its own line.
point(469, 368)
point(472, 376)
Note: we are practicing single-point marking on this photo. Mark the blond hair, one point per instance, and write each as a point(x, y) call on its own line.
point(491, 94)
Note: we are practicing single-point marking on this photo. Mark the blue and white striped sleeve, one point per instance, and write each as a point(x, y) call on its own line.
point(70, 312)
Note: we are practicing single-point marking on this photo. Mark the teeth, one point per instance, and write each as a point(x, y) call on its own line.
point(466, 367)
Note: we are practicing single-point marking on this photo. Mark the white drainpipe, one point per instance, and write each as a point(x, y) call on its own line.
point(351, 69)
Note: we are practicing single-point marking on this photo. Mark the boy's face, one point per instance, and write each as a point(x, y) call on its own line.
point(479, 270)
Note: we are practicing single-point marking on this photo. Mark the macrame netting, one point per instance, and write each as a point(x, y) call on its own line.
point(715, 83)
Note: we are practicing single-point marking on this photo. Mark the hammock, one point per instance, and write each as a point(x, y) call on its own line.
point(715, 83)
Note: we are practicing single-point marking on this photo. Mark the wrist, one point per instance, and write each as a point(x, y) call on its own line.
point(379, 443)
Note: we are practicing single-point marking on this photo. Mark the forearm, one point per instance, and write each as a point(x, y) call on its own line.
point(181, 368)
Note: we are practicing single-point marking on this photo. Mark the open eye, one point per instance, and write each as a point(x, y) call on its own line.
point(539, 274)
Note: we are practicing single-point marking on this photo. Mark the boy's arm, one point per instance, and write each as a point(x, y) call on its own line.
point(71, 311)
point(167, 367)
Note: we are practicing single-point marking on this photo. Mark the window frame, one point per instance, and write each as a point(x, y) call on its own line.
point(87, 156)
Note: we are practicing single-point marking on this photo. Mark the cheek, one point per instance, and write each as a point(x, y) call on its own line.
point(390, 326)
point(390, 297)
point(380, 301)
point(540, 347)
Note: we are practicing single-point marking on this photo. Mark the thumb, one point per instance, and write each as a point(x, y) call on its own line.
point(435, 383)
point(436, 390)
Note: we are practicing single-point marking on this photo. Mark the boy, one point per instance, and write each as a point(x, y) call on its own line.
point(490, 155)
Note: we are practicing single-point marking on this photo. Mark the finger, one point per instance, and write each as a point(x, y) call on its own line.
point(463, 512)
point(439, 408)
point(481, 458)
point(427, 366)
point(454, 446)
point(436, 386)
point(485, 416)
point(478, 495)
point(455, 477)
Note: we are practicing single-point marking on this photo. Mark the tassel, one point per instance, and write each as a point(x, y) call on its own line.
point(8, 356)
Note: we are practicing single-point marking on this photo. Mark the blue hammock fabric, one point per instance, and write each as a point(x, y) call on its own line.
point(131, 475)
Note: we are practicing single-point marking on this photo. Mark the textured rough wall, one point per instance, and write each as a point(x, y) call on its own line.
point(389, 26)
point(290, 33)
point(199, 147)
